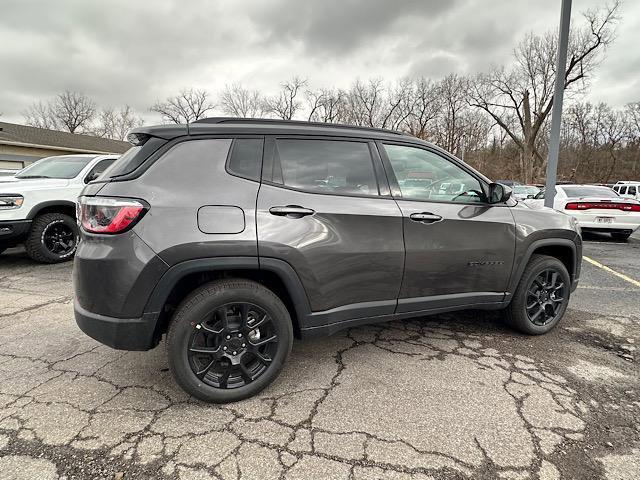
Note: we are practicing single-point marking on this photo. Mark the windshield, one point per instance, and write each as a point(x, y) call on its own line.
point(56, 167)
point(589, 191)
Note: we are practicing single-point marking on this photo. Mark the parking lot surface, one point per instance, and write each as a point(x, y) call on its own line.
point(448, 396)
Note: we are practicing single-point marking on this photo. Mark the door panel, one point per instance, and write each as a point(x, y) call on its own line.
point(349, 250)
point(459, 249)
point(469, 251)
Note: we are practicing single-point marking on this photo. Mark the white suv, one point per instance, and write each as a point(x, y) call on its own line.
point(628, 189)
point(37, 206)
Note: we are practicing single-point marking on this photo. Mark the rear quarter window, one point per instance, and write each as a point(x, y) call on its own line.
point(245, 159)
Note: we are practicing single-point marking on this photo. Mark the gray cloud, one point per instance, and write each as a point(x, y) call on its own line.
point(121, 52)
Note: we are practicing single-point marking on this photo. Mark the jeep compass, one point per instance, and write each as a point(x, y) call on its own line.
point(230, 237)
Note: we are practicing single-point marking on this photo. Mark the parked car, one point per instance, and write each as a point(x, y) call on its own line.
point(522, 192)
point(596, 208)
point(37, 207)
point(628, 189)
point(231, 236)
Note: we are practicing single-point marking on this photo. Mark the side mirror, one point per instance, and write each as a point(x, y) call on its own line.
point(499, 193)
point(530, 196)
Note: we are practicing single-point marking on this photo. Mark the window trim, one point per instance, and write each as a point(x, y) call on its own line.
point(269, 162)
point(230, 153)
point(395, 186)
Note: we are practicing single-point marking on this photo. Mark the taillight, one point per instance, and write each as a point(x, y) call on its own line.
point(108, 214)
point(627, 207)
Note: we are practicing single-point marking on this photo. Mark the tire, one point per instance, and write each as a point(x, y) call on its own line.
point(620, 235)
point(196, 324)
point(519, 316)
point(44, 225)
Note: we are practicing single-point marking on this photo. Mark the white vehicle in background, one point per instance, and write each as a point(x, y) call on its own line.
point(522, 192)
point(628, 189)
point(38, 205)
point(596, 208)
point(7, 173)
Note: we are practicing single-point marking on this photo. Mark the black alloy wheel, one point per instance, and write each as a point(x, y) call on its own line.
point(228, 340)
point(233, 345)
point(545, 297)
point(541, 297)
point(59, 239)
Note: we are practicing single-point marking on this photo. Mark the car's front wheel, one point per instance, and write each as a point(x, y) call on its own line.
point(53, 238)
point(542, 296)
point(228, 340)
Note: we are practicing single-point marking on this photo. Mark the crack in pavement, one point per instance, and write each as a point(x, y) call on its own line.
point(449, 396)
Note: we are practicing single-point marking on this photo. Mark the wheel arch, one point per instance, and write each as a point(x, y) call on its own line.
point(563, 249)
point(53, 206)
point(180, 279)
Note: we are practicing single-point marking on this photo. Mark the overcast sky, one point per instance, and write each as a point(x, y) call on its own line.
point(135, 52)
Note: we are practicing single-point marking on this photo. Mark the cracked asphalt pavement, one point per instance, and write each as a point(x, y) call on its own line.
point(453, 396)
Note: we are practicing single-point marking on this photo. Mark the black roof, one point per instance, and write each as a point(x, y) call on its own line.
point(12, 132)
point(222, 125)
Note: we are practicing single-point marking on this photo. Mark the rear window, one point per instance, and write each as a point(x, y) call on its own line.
point(588, 191)
point(133, 158)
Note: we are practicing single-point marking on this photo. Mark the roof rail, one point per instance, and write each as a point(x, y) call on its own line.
point(276, 121)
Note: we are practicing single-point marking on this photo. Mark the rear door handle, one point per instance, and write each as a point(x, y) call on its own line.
point(425, 217)
point(291, 211)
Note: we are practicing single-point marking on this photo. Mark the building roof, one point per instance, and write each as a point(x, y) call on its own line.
point(12, 133)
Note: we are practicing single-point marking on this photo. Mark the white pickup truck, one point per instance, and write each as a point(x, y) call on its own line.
point(38, 205)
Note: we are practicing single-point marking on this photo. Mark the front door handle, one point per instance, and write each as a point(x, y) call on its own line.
point(291, 211)
point(425, 217)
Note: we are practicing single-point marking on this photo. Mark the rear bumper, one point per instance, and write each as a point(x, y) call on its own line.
point(120, 333)
point(13, 232)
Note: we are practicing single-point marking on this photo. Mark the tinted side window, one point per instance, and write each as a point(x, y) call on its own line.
point(424, 175)
point(246, 158)
point(325, 166)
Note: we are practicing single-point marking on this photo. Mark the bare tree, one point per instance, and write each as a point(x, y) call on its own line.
point(450, 127)
point(526, 90)
point(70, 111)
point(186, 107)
point(41, 115)
point(426, 106)
point(326, 105)
point(238, 101)
point(116, 123)
point(286, 104)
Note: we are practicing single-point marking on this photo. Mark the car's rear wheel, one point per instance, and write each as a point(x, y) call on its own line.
point(542, 296)
point(620, 235)
point(53, 238)
point(228, 340)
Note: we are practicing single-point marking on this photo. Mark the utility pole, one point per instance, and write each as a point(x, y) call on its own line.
point(556, 114)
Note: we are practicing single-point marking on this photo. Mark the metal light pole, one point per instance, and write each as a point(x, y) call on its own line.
point(556, 114)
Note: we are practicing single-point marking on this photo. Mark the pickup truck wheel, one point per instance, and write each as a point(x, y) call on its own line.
point(53, 238)
point(542, 296)
point(228, 340)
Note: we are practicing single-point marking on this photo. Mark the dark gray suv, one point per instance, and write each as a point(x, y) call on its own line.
point(232, 236)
